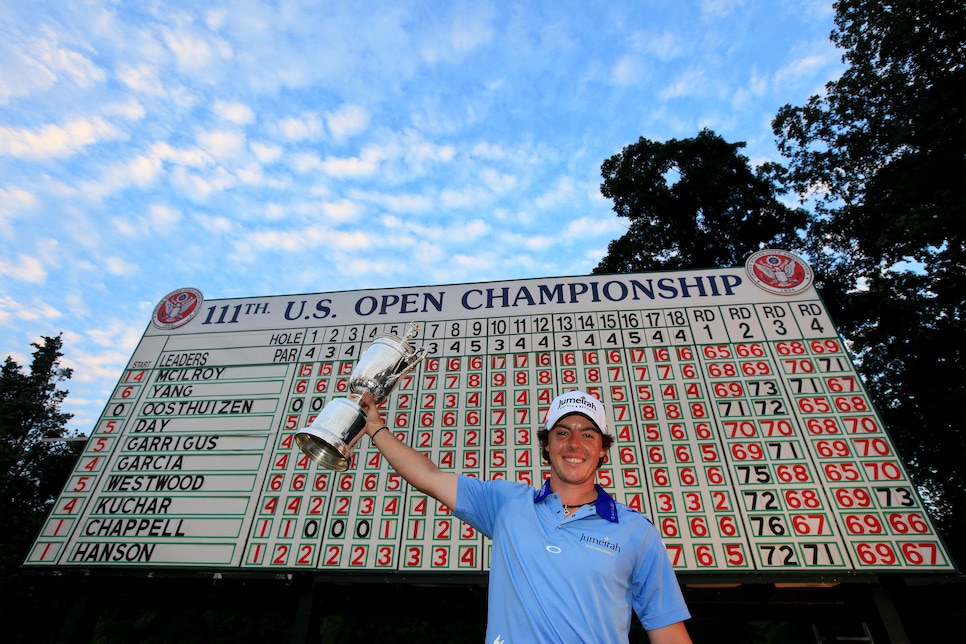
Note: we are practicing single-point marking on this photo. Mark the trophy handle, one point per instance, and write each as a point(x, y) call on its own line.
point(410, 361)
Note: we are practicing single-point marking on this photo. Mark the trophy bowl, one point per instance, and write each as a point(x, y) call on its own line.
point(331, 437)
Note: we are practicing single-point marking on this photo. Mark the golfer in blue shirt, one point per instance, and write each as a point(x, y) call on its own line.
point(569, 564)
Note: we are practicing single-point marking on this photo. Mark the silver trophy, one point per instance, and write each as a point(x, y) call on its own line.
point(333, 434)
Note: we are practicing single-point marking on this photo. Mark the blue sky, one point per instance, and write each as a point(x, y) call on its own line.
point(266, 148)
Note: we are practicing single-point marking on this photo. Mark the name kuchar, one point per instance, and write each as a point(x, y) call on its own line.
point(133, 505)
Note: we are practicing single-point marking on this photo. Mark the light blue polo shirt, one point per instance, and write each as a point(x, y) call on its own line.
point(574, 579)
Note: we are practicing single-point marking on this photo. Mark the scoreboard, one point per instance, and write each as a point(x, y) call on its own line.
point(742, 428)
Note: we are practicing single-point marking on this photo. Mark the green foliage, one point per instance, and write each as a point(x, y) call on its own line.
point(882, 157)
point(32, 471)
point(692, 203)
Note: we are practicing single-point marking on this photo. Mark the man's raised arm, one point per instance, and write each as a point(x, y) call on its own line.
point(419, 471)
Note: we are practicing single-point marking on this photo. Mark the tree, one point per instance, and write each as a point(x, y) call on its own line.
point(692, 203)
point(882, 157)
point(32, 471)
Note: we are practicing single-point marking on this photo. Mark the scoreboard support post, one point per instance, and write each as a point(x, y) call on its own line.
point(890, 617)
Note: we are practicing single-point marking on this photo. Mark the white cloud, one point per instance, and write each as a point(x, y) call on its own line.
point(217, 225)
point(475, 263)
point(141, 171)
point(39, 63)
point(562, 191)
point(215, 19)
point(55, 140)
point(628, 69)
point(144, 169)
point(237, 113)
point(266, 152)
point(222, 144)
point(142, 78)
point(309, 126)
point(189, 157)
point(119, 266)
point(498, 181)
point(495, 152)
point(452, 42)
point(367, 164)
point(341, 211)
point(474, 229)
point(466, 198)
point(28, 312)
point(347, 121)
point(803, 67)
point(164, 218)
point(21, 75)
point(664, 45)
point(416, 149)
point(305, 162)
point(400, 202)
point(717, 9)
point(14, 201)
point(115, 334)
point(302, 239)
point(25, 269)
point(200, 187)
point(690, 83)
point(754, 90)
point(584, 228)
point(76, 66)
point(131, 110)
point(191, 52)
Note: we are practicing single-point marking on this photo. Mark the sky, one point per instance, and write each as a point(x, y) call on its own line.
point(297, 146)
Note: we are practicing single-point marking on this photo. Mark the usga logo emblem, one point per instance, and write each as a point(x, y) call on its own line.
point(778, 271)
point(177, 308)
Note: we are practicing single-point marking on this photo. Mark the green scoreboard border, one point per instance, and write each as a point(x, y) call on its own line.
point(742, 429)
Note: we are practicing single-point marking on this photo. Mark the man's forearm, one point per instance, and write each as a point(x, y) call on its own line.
point(417, 469)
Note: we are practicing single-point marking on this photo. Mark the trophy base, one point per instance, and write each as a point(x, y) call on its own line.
point(330, 438)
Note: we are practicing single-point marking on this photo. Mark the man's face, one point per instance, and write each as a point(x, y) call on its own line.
point(575, 447)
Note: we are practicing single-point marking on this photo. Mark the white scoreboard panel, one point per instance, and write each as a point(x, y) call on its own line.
point(742, 429)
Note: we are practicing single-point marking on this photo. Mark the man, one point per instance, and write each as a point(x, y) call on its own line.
point(569, 564)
